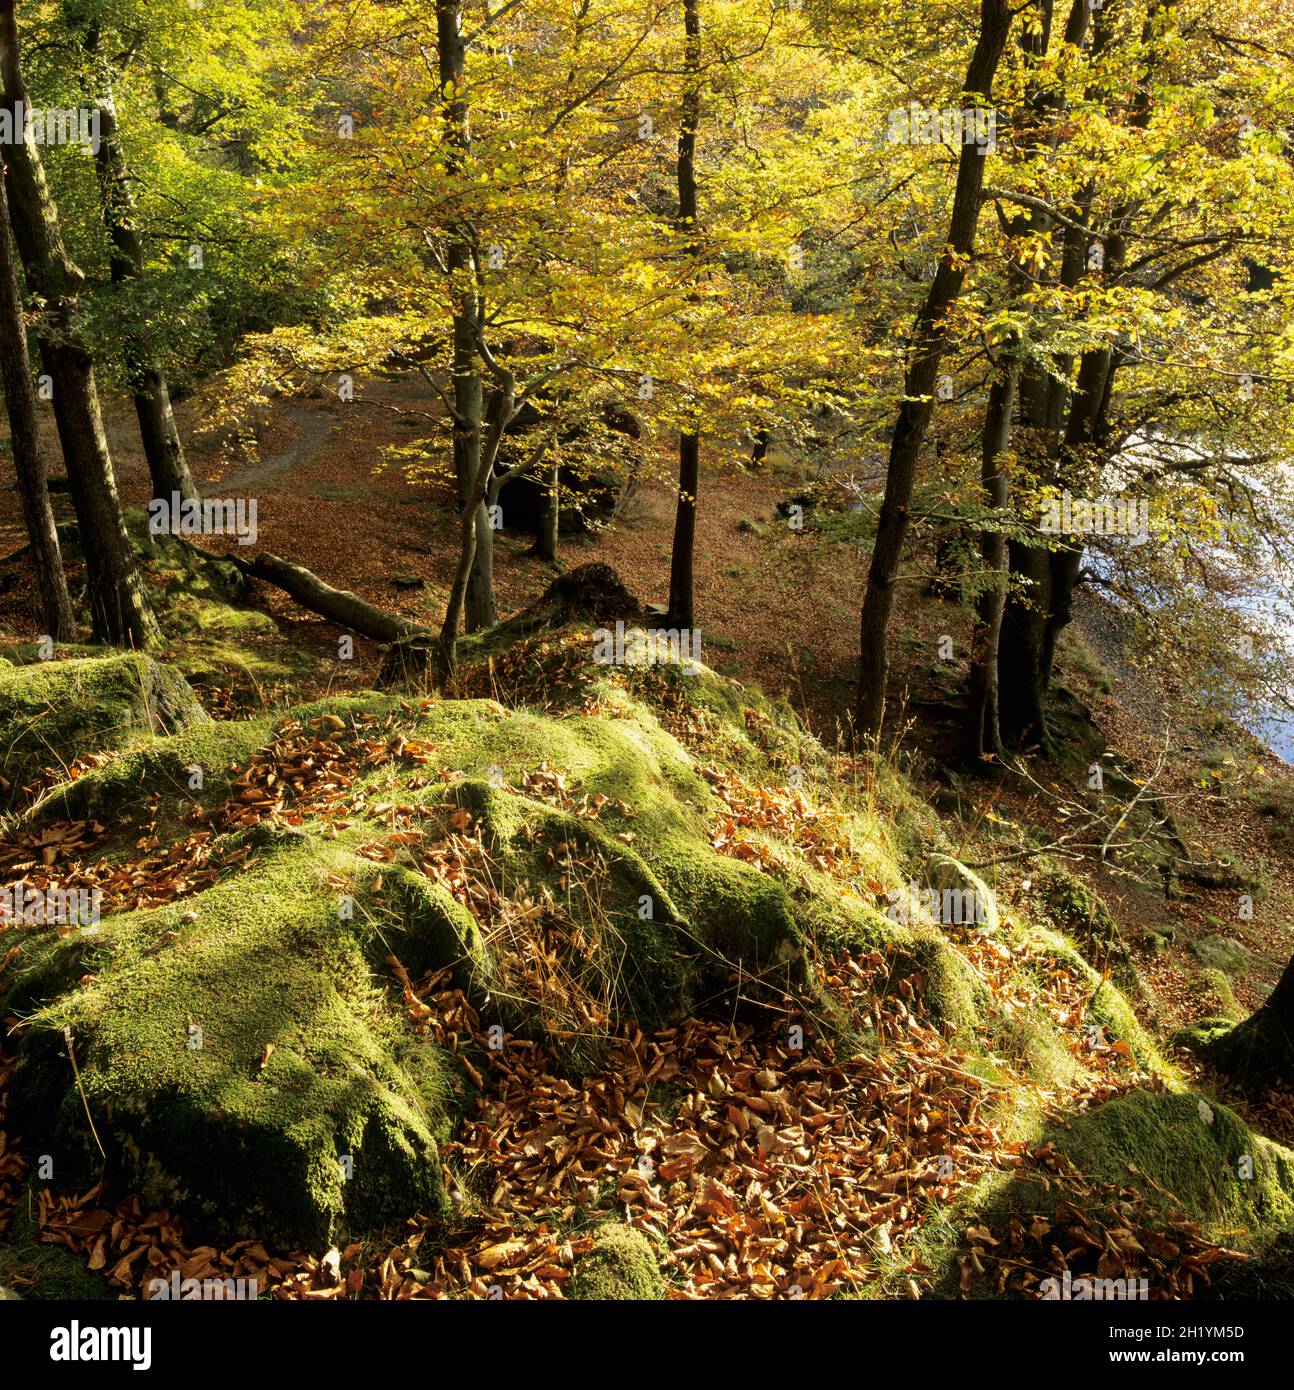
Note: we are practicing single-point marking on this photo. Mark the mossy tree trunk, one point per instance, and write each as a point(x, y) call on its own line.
point(167, 465)
point(1261, 1049)
point(20, 403)
point(119, 609)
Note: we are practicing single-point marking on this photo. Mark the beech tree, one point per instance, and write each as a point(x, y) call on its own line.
point(929, 343)
point(118, 606)
point(24, 436)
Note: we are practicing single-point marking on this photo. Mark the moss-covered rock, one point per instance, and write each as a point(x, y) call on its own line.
point(1224, 953)
point(1186, 1151)
point(964, 897)
point(576, 863)
point(192, 768)
point(1073, 908)
point(243, 1068)
point(620, 1266)
point(56, 711)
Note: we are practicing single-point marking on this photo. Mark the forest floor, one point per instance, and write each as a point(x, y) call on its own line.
point(779, 611)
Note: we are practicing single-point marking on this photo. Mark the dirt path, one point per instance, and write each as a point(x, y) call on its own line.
point(313, 427)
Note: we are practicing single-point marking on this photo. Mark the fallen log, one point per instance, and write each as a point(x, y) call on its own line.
point(337, 605)
point(591, 592)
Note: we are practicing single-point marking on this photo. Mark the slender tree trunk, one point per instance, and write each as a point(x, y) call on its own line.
point(681, 567)
point(468, 392)
point(119, 607)
point(1021, 683)
point(1043, 105)
point(1032, 630)
point(681, 589)
point(24, 433)
point(479, 491)
point(167, 465)
point(930, 343)
point(458, 592)
point(985, 730)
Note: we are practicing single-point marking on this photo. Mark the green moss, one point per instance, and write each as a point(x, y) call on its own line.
point(1222, 953)
point(1182, 1150)
point(57, 711)
point(431, 929)
point(244, 1139)
point(954, 994)
point(620, 1266)
point(1078, 912)
point(20, 652)
point(964, 896)
point(162, 766)
point(33, 1269)
point(1107, 1005)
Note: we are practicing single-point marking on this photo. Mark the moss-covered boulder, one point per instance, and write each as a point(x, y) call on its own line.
point(1081, 914)
point(963, 896)
point(620, 1266)
point(1185, 1151)
point(1224, 953)
point(623, 848)
point(53, 712)
point(246, 1068)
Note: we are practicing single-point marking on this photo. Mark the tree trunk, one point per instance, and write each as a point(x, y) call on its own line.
point(984, 723)
point(119, 608)
point(1021, 683)
point(681, 589)
point(1039, 136)
point(337, 605)
point(545, 546)
point(468, 394)
point(482, 612)
point(167, 465)
point(681, 565)
point(1030, 638)
point(24, 433)
point(930, 342)
point(1261, 1049)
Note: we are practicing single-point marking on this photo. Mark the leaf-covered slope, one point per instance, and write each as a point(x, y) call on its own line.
point(371, 930)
